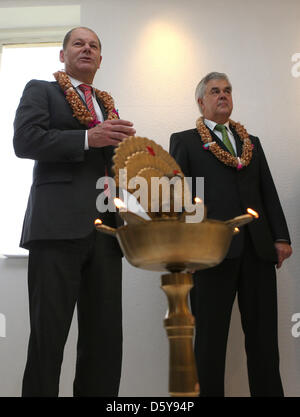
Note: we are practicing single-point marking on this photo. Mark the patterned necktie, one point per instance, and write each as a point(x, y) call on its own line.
point(225, 138)
point(87, 90)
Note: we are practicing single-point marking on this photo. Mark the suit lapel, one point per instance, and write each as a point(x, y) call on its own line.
point(102, 108)
point(238, 142)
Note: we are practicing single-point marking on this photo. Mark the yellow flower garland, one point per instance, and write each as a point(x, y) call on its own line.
point(79, 110)
point(221, 154)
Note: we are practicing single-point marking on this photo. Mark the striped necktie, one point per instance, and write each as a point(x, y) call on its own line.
point(87, 91)
point(225, 138)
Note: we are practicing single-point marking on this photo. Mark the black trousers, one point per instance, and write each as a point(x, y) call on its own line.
point(254, 282)
point(61, 274)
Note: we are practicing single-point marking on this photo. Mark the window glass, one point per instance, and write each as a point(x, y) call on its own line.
point(19, 64)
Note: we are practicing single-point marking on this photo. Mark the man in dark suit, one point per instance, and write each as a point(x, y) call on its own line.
point(58, 125)
point(236, 177)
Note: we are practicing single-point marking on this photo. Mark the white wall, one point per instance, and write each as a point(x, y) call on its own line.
point(154, 53)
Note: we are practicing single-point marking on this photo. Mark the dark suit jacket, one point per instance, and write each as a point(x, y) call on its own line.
point(228, 192)
point(62, 200)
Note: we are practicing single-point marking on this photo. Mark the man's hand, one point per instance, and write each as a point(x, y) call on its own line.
point(284, 251)
point(110, 132)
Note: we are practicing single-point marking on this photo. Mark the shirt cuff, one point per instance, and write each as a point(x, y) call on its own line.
point(86, 141)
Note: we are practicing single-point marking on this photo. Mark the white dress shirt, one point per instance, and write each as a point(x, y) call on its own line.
point(76, 84)
point(212, 125)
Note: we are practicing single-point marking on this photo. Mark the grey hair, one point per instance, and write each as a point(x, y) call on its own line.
point(200, 89)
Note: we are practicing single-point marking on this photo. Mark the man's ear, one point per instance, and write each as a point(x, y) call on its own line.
point(61, 55)
point(201, 104)
point(100, 60)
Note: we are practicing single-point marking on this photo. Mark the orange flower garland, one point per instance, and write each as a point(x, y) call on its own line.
point(79, 110)
point(221, 154)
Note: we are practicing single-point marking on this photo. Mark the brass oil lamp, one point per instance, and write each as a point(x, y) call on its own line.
point(166, 242)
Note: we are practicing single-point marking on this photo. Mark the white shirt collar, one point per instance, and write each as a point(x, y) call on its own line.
point(76, 83)
point(211, 124)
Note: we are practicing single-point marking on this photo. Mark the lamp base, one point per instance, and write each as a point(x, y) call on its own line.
point(180, 324)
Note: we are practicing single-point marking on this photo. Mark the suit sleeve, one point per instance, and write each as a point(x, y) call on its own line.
point(271, 200)
point(35, 138)
point(179, 152)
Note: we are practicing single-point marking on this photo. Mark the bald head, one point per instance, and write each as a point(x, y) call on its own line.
point(68, 36)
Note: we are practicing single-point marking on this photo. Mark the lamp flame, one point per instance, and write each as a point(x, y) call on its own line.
point(98, 222)
point(198, 200)
point(253, 213)
point(119, 203)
